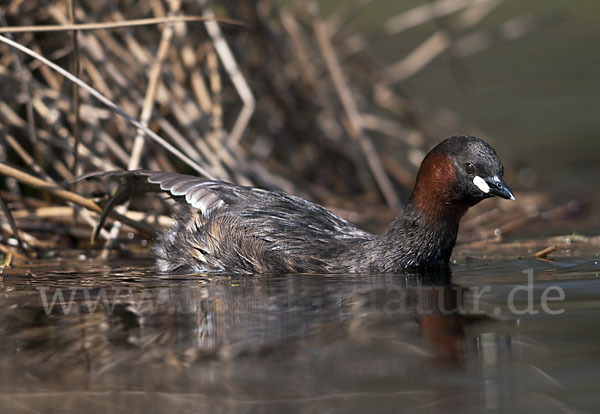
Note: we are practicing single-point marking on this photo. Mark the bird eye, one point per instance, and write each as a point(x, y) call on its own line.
point(469, 168)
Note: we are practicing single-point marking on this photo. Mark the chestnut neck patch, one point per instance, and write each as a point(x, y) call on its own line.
point(436, 194)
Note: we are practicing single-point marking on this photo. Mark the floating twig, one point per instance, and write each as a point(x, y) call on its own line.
point(542, 254)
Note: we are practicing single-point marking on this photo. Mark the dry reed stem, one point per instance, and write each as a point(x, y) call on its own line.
point(63, 214)
point(49, 187)
point(238, 80)
point(542, 254)
point(436, 44)
point(76, 69)
point(36, 168)
point(26, 90)
point(147, 106)
point(356, 43)
point(110, 104)
point(511, 29)
point(12, 225)
point(115, 25)
point(356, 124)
point(67, 195)
point(426, 13)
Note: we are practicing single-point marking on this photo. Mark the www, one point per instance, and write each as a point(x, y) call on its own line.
point(58, 298)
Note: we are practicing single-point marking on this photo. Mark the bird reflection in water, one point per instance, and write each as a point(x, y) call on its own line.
point(226, 332)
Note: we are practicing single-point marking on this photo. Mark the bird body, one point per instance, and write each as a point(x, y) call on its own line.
point(230, 228)
point(224, 227)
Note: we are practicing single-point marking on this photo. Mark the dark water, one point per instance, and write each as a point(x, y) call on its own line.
point(302, 343)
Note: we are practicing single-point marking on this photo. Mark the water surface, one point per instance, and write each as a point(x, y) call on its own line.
point(123, 338)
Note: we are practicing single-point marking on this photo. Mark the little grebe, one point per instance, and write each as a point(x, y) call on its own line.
point(230, 228)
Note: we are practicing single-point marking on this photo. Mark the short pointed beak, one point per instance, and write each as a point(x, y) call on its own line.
point(499, 188)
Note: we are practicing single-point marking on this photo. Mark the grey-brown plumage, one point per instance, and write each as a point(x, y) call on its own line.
point(226, 227)
point(250, 230)
point(229, 228)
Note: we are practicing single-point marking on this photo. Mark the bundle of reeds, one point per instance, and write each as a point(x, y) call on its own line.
point(244, 91)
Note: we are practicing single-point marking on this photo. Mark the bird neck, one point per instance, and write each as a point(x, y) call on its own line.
point(436, 197)
point(424, 234)
point(414, 240)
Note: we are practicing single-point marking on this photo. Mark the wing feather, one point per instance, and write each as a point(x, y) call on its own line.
point(205, 195)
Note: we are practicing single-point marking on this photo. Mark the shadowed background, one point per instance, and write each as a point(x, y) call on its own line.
point(536, 96)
